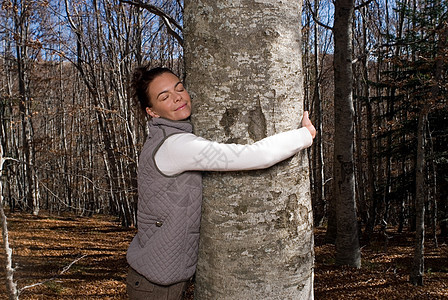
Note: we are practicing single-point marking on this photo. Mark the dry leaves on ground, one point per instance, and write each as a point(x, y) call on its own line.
point(46, 245)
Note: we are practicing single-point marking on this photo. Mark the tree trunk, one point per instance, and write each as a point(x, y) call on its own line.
point(432, 177)
point(11, 286)
point(244, 72)
point(21, 31)
point(418, 269)
point(347, 243)
point(363, 91)
point(319, 205)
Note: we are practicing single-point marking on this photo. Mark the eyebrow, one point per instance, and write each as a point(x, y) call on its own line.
point(165, 91)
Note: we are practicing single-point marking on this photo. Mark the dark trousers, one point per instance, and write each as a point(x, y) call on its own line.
point(139, 288)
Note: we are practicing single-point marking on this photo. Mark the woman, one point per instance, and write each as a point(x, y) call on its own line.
point(163, 254)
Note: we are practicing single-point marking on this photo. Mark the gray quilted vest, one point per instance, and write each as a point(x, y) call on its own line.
point(168, 216)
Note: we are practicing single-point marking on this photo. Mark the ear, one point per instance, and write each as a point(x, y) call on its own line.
point(152, 113)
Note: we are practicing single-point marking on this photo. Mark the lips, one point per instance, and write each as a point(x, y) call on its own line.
point(181, 107)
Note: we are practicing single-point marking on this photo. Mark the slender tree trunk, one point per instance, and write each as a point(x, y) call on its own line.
point(371, 191)
point(433, 178)
point(418, 269)
point(244, 72)
point(10, 284)
point(388, 168)
point(363, 91)
point(21, 16)
point(347, 243)
point(319, 206)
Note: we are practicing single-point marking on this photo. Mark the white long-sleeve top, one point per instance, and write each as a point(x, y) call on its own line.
point(188, 152)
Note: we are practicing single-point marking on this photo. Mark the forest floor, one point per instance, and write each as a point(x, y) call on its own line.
point(69, 257)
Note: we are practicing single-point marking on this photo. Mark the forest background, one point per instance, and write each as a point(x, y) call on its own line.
point(73, 133)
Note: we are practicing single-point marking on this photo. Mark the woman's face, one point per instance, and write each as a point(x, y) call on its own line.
point(169, 98)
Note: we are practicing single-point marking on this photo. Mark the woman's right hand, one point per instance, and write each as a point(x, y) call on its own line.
point(306, 122)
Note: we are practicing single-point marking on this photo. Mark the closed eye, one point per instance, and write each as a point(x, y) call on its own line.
point(180, 87)
point(163, 96)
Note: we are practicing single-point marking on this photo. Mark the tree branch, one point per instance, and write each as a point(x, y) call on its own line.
point(315, 19)
point(65, 269)
point(166, 18)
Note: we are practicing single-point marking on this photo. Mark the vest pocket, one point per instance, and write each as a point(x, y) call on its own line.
point(148, 227)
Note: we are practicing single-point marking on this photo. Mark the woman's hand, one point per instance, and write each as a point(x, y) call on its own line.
point(306, 122)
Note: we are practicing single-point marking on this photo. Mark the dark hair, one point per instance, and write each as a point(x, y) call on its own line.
point(141, 79)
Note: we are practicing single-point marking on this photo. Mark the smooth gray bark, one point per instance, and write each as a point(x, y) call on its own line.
point(243, 65)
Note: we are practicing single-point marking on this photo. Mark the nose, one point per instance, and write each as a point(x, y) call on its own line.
point(177, 97)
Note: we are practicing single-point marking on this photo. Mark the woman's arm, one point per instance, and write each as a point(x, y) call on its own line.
point(187, 152)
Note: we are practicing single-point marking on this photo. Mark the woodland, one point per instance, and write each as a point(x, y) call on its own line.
point(71, 132)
